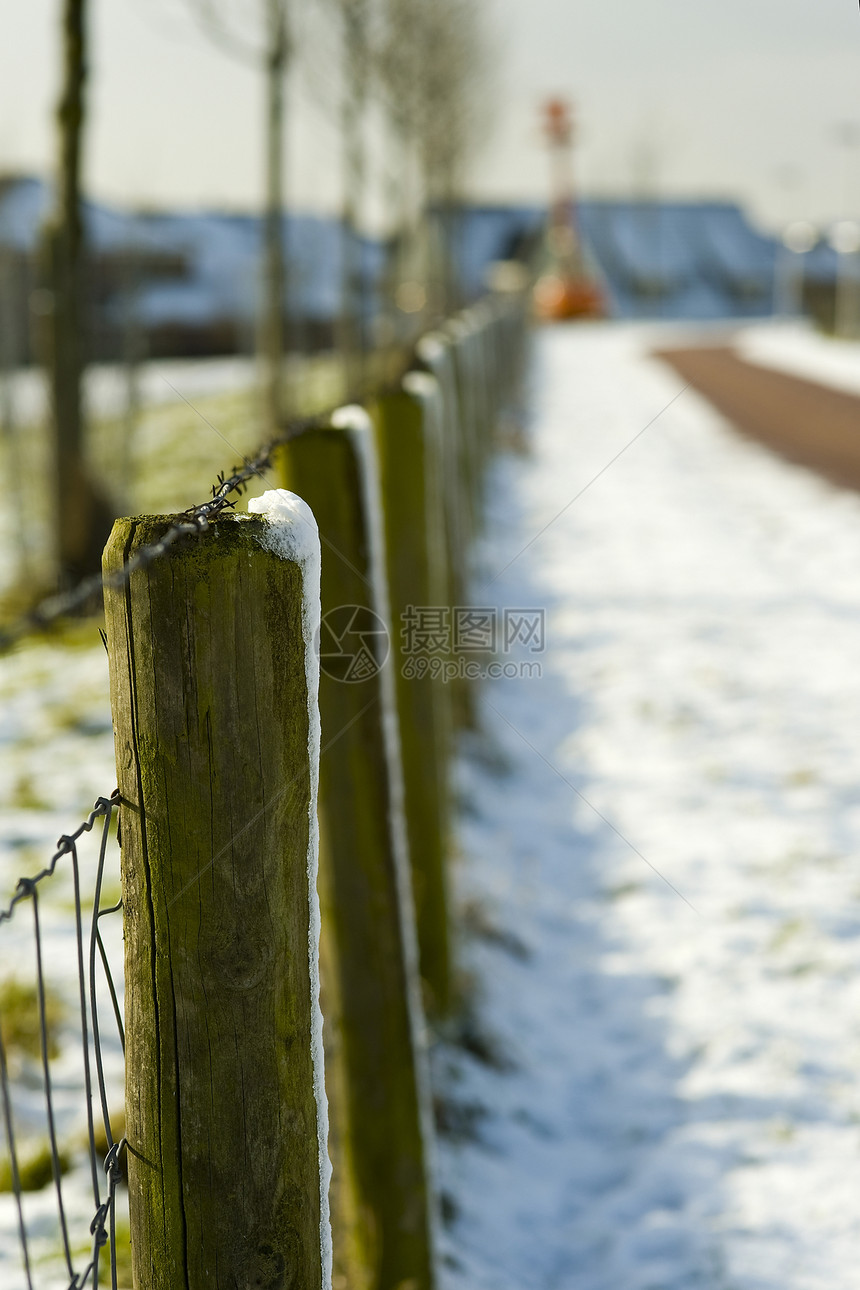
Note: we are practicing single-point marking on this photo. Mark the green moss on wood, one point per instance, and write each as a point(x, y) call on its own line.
point(380, 1188)
point(209, 698)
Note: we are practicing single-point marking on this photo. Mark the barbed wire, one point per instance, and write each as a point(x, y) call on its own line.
point(102, 1228)
point(190, 523)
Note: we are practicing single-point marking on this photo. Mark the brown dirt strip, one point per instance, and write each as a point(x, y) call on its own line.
point(810, 424)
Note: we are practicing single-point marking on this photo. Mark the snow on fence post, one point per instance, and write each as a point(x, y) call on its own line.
point(413, 504)
point(374, 1029)
point(213, 692)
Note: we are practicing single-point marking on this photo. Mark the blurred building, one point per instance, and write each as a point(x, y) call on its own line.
point(187, 283)
point(681, 259)
point(664, 259)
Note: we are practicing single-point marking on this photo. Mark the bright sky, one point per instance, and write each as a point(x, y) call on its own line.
point(742, 98)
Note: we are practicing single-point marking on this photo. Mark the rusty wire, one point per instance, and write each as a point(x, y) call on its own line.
point(189, 523)
point(103, 1226)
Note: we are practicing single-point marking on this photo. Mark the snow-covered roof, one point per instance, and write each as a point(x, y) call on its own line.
point(680, 259)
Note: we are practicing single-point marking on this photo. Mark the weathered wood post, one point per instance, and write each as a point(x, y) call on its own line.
point(378, 1095)
point(459, 333)
point(435, 351)
point(414, 542)
point(487, 381)
point(213, 691)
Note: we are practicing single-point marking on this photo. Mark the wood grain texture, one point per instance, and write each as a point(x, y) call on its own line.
point(210, 709)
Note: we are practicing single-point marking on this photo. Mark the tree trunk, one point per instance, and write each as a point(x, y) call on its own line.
point(12, 350)
point(274, 270)
point(81, 517)
point(352, 340)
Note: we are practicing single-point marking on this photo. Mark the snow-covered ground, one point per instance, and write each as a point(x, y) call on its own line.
point(106, 385)
point(795, 347)
point(659, 848)
point(56, 757)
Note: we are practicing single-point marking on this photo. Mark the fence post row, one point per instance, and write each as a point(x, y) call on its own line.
point(214, 718)
point(373, 1014)
point(213, 679)
point(434, 354)
point(414, 539)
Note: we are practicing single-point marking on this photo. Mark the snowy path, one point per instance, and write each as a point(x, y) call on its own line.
point(676, 1096)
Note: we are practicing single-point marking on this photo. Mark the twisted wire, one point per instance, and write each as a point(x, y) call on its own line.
point(103, 1225)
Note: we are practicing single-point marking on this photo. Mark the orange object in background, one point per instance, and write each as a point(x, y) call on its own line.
point(556, 298)
point(566, 289)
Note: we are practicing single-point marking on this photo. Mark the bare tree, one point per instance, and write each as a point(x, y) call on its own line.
point(399, 60)
point(357, 30)
point(456, 114)
point(80, 514)
point(433, 64)
point(357, 66)
point(12, 293)
point(229, 24)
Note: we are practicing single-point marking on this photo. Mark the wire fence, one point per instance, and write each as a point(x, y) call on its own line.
point(105, 1167)
point(194, 520)
point(43, 1087)
point(46, 1072)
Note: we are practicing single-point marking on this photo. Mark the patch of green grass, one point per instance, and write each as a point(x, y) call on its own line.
point(781, 1131)
point(622, 890)
point(19, 1019)
point(35, 1168)
point(76, 719)
point(802, 777)
point(788, 929)
point(25, 797)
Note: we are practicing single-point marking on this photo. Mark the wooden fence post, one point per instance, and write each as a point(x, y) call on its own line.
point(414, 541)
point(486, 379)
point(378, 1094)
point(434, 351)
point(214, 705)
point(458, 336)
